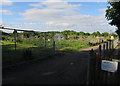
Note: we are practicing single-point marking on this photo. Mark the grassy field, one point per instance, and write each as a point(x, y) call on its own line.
point(31, 45)
point(35, 49)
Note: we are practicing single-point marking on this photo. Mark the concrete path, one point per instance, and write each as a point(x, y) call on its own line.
point(67, 69)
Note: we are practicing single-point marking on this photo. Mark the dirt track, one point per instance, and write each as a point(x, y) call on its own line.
point(67, 69)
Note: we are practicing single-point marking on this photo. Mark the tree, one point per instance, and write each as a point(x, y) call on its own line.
point(77, 33)
point(98, 33)
point(94, 33)
point(105, 34)
point(87, 34)
point(113, 34)
point(113, 15)
point(81, 33)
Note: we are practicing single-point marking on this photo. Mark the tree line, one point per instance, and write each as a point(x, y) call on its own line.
point(50, 34)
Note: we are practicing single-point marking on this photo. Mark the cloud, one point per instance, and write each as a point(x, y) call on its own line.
point(62, 16)
point(6, 12)
point(6, 2)
point(59, 4)
point(36, 14)
point(51, 11)
point(64, 0)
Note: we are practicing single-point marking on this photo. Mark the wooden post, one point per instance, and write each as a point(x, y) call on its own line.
point(99, 50)
point(45, 39)
point(53, 37)
point(109, 45)
point(84, 37)
point(75, 36)
point(54, 48)
point(112, 44)
point(99, 39)
point(53, 40)
point(66, 36)
point(94, 39)
point(81, 37)
point(72, 36)
point(107, 48)
point(104, 50)
point(15, 38)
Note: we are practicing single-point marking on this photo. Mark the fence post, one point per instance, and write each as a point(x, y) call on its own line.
point(94, 39)
point(81, 37)
point(99, 50)
point(72, 36)
point(84, 37)
point(15, 38)
point(54, 48)
point(104, 50)
point(112, 44)
point(53, 37)
point(75, 36)
point(45, 39)
point(109, 46)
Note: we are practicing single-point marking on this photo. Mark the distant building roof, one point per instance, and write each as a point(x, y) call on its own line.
point(58, 35)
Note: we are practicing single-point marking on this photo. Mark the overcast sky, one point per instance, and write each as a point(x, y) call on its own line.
point(56, 15)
